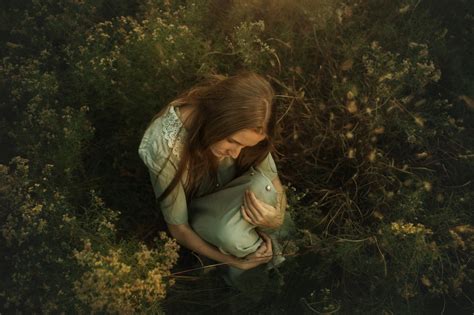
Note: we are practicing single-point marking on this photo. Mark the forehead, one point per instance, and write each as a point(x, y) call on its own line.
point(247, 137)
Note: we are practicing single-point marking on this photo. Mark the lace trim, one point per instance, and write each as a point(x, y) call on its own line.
point(172, 126)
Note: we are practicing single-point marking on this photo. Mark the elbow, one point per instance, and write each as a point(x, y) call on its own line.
point(178, 231)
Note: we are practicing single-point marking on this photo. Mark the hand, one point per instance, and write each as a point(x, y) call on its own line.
point(259, 213)
point(262, 255)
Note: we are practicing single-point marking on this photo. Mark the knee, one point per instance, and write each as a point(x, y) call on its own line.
point(237, 242)
point(263, 188)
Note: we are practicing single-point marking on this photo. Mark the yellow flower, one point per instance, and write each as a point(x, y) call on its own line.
point(419, 121)
point(351, 153)
point(427, 186)
point(379, 130)
point(426, 282)
point(372, 155)
point(351, 107)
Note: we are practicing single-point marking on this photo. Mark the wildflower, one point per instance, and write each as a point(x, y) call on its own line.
point(295, 134)
point(379, 130)
point(427, 186)
point(422, 155)
point(387, 76)
point(352, 107)
point(347, 65)
point(466, 228)
point(457, 239)
point(84, 108)
point(377, 215)
point(66, 218)
point(402, 228)
point(372, 155)
point(419, 121)
point(41, 225)
point(351, 153)
point(375, 45)
point(404, 9)
point(408, 291)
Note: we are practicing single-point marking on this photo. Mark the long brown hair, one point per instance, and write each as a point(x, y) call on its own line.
point(223, 106)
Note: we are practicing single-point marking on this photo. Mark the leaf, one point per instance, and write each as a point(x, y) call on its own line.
point(347, 65)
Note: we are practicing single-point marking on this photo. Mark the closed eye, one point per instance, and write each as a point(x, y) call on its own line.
point(235, 142)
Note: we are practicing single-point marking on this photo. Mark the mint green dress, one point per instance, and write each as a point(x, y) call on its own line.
point(215, 213)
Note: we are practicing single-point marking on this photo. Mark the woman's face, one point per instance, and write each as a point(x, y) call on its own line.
point(232, 145)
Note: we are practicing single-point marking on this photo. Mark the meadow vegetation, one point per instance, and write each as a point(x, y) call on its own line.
point(375, 108)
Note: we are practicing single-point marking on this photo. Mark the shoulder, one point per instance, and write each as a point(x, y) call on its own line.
point(162, 141)
point(268, 167)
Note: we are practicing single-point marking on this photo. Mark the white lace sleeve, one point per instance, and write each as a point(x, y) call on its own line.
point(172, 127)
point(162, 141)
point(160, 150)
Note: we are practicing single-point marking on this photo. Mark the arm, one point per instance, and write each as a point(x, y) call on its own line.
point(162, 164)
point(189, 239)
point(281, 201)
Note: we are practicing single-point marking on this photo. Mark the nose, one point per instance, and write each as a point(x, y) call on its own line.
point(235, 153)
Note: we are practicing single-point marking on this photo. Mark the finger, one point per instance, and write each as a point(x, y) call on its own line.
point(246, 216)
point(268, 242)
point(262, 251)
point(253, 214)
point(254, 202)
point(262, 248)
point(263, 235)
point(269, 250)
point(257, 215)
point(249, 213)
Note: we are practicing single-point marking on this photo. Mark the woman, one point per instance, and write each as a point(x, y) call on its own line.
point(208, 153)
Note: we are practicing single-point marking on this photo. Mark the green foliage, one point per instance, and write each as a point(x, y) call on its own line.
point(44, 265)
point(376, 149)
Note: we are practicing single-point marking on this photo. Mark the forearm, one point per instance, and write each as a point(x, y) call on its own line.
point(281, 198)
point(191, 240)
point(281, 205)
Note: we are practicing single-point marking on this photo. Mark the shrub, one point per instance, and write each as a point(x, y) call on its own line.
point(376, 151)
point(53, 251)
